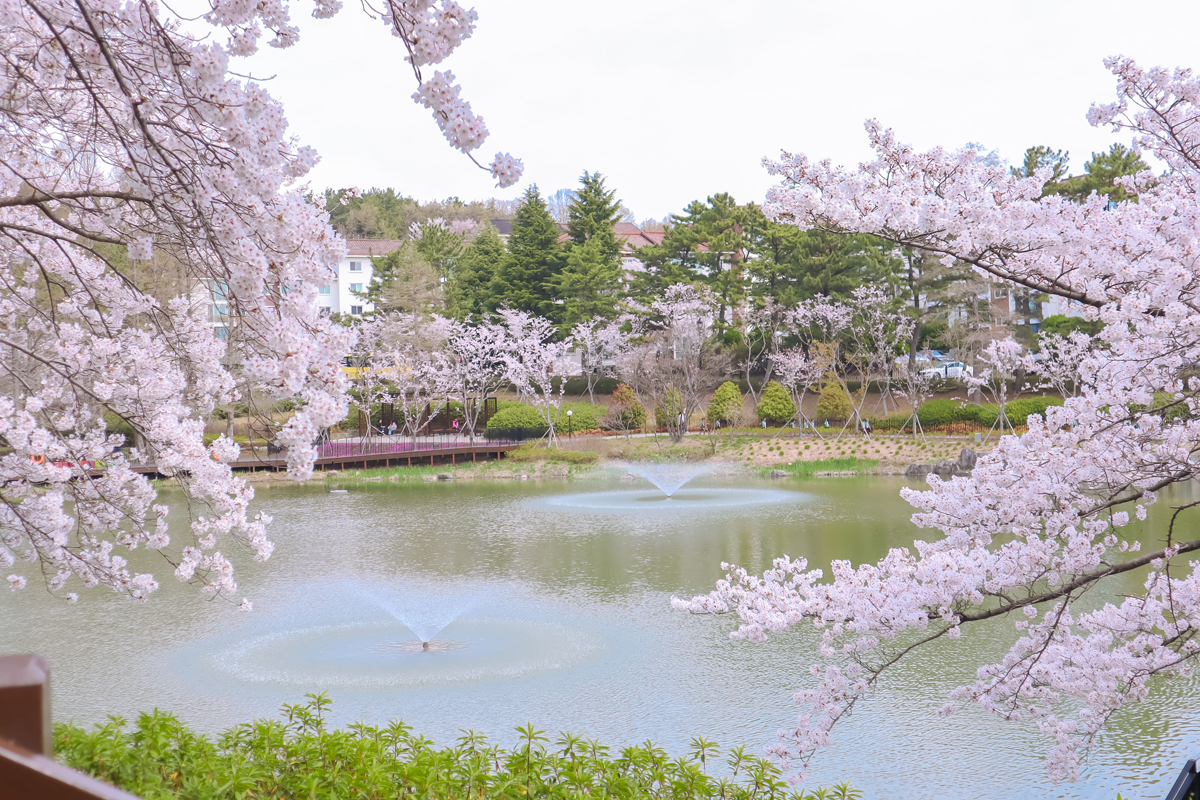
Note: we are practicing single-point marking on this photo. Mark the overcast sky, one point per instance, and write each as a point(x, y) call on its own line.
point(675, 100)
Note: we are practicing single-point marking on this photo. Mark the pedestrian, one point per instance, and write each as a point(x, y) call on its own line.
point(455, 425)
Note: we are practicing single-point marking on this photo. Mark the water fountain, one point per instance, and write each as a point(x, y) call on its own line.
point(669, 480)
point(367, 637)
point(668, 477)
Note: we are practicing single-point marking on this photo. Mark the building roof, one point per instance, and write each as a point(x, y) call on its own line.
point(372, 247)
point(503, 226)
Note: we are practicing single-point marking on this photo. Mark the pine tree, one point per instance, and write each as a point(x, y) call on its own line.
point(590, 281)
point(588, 284)
point(593, 214)
point(469, 290)
point(534, 259)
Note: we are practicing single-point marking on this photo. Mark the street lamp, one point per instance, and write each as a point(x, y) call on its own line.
point(570, 413)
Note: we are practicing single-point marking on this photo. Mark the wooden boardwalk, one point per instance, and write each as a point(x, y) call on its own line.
point(442, 454)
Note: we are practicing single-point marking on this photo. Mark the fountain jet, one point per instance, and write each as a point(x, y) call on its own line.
point(669, 478)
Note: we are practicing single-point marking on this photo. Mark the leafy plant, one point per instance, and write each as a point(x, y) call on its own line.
point(776, 405)
point(833, 402)
point(726, 405)
point(299, 756)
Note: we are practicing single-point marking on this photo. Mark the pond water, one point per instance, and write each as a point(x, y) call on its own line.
point(549, 602)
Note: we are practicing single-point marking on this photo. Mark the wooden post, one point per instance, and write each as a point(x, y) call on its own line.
point(25, 703)
point(27, 765)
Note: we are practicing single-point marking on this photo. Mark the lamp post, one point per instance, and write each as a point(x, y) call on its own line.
point(570, 413)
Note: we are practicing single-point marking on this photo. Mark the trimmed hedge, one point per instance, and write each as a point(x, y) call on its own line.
point(944, 411)
point(1017, 411)
point(522, 416)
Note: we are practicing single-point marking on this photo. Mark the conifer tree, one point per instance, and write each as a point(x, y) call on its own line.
point(527, 274)
point(590, 282)
point(469, 290)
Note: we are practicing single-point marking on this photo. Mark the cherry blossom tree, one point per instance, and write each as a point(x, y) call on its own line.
point(599, 343)
point(532, 356)
point(1003, 363)
point(131, 149)
point(475, 366)
point(796, 370)
point(1042, 519)
point(1061, 360)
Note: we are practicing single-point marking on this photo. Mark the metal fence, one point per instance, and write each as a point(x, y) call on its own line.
point(399, 445)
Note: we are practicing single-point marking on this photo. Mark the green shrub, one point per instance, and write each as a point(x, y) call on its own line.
point(521, 416)
point(944, 411)
point(299, 756)
point(776, 407)
point(668, 408)
point(518, 416)
point(726, 405)
point(1017, 411)
point(833, 402)
point(892, 422)
point(624, 412)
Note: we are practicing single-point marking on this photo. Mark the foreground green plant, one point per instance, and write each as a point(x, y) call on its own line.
point(300, 757)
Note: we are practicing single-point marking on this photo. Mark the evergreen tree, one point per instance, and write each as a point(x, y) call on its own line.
point(592, 215)
point(469, 289)
point(529, 271)
point(589, 284)
point(706, 243)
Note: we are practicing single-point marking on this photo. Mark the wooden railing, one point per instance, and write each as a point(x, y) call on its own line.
point(27, 767)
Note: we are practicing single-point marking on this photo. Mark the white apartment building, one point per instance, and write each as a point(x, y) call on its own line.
point(353, 277)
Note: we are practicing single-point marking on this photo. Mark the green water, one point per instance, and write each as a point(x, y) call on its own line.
point(560, 615)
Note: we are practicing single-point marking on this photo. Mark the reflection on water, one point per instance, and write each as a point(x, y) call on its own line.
point(551, 606)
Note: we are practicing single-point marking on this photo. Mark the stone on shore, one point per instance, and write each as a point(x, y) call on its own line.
point(780, 473)
point(966, 459)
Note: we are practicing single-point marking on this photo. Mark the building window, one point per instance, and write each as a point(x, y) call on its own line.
point(356, 266)
point(323, 290)
point(219, 312)
point(325, 311)
point(356, 287)
point(356, 310)
point(222, 333)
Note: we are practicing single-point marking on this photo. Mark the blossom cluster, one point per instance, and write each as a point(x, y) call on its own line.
point(146, 192)
point(1043, 518)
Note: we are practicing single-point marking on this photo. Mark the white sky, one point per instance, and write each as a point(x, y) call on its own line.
point(675, 100)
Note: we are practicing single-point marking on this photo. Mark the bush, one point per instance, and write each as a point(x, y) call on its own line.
point(668, 408)
point(518, 416)
point(162, 759)
point(776, 407)
point(1017, 411)
point(944, 411)
point(726, 405)
point(833, 402)
point(624, 412)
point(521, 416)
point(892, 422)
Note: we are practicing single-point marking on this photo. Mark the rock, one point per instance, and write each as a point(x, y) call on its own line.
point(445, 476)
point(332, 472)
point(628, 477)
point(429, 478)
point(946, 467)
point(524, 476)
point(556, 471)
point(502, 475)
point(375, 479)
point(966, 459)
point(780, 473)
point(917, 470)
point(393, 479)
